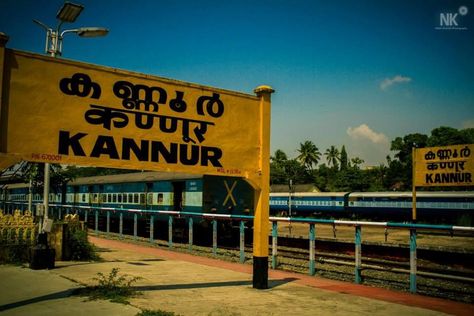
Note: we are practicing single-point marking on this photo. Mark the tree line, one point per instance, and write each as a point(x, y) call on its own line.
point(333, 171)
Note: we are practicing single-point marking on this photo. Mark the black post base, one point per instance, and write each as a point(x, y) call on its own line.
point(42, 258)
point(260, 273)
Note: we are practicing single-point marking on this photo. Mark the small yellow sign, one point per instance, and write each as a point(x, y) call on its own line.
point(444, 166)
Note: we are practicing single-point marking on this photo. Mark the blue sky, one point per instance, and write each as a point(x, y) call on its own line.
point(353, 73)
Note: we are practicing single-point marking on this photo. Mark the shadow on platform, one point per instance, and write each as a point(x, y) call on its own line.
point(52, 296)
point(271, 284)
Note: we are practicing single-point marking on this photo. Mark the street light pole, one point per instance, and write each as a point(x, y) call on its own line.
point(53, 46)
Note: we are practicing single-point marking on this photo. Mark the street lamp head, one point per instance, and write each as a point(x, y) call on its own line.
point(92, 31)
point(69, 12)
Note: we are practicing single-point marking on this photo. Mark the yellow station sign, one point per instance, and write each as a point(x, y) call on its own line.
point(444, 166)
point(67, 112)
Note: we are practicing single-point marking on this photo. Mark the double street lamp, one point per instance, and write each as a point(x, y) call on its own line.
point(53, 46)
point(67, 14)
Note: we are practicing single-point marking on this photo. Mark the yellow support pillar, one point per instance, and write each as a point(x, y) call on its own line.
point(3, 118)
point(261, 183)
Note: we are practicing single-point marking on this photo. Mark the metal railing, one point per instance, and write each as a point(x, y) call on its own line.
point(412, 227)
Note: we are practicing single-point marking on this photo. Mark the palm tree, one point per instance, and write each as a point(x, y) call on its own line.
point(332, 156)
point(308, 154)
point(279, 158)
point(356, 162)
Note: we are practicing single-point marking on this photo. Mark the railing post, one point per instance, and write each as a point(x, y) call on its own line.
point(190, 233)
point(96, 221)
point(312, 236)
point(358, 254)
point(242, 241)
point(214, 236)
point(121, 225)
point(170, 231)
point(274, 244)
point(413, 260)
point(108, 222)
point(152, 227)
point(59, 214)
point(86, 213)
point(135, 221)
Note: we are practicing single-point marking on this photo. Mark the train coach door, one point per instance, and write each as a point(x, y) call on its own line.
point(178, 189)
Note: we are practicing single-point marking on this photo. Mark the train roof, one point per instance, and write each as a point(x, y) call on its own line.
point(408, 194)
point(14, 185)
point(315, 194)
point(135, 177)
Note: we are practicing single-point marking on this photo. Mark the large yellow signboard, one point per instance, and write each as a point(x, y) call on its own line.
point(444, 166)
point(67, 112)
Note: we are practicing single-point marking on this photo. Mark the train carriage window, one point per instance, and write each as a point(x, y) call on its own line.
point(135, 198)
point(149, 199)
point(160, 198)
point(103, 198)
point(114, 198)
point(125, 198)
point(142, 198)
point(109, 198)
point(130, 198)
point(83, 197)
point(119, 196)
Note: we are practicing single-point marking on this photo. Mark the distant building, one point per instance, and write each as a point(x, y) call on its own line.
point(281, 188)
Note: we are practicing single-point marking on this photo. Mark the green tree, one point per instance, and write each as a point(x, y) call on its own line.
point(279, 157)
point(356, 162)
point(332, 157)
point(468, 135)
point(403, 147)
point(352, 179)
point(376, 177)
point(35, 173)
point(445, 136)
point(277, 167)
point(343, 158)
point(295, 171)
point(308, 154)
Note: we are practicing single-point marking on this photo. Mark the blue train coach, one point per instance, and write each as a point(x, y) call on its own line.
point(306, 204)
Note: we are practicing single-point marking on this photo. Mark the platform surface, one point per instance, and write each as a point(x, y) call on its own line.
point(191, 285)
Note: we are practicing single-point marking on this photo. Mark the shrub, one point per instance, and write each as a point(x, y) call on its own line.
point(14, 254)
point(79, 246)
point(112, 287)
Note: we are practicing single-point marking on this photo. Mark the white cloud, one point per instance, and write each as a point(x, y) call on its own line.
point(364, 132)
point(388, 82)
